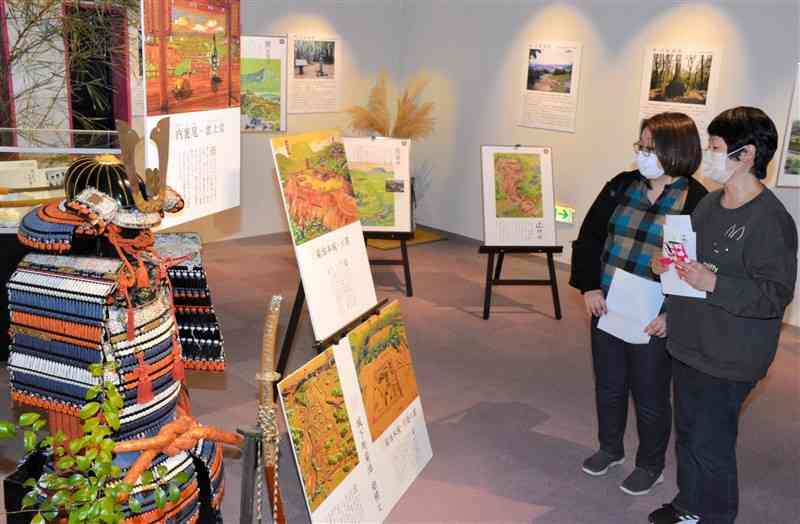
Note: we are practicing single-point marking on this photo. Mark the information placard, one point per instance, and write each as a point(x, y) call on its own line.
point(518, 203)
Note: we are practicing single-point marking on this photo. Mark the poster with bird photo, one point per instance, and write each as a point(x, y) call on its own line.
point(789, 169)
point(263, 83)
point(518, 202)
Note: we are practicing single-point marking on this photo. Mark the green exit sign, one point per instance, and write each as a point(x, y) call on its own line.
point(565, 214)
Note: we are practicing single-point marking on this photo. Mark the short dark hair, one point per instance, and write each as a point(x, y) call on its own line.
point(677, 142)
point(742, 126)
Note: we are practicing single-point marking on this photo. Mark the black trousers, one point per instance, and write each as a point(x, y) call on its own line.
point(643, 370)
point(707, 424)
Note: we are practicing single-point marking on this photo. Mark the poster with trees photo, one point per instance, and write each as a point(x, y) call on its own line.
point(789, 169)
point(682, 79)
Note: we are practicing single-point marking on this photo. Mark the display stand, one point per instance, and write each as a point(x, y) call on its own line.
point(318, 345)
point(493, 273)
point(403, 261)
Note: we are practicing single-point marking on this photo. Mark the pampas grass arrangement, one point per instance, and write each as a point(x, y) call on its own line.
point(412, 120)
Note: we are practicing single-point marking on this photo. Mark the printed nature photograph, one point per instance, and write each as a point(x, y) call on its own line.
point(550, 69)
point(791, 165)
point(680, 78)
point(383, 364)
point(518, 185)
point(316, 184)
point(314, 59)
point(261, 94)
point(371, 185)
point(319, 426)
point(194, 64)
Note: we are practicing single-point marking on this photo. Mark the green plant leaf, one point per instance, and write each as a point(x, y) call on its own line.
point(46, 442)
point(161, 497)
point(29, 439)
point(75, 480)
point(113, 420)
point(7, 429)
point(147, 477)
point(74, 517)
point(38, 519)
point(162, 470)
point(30, 483)
point(29, 500)
point(108, 445)
point(96, 370)
point(60, 451)
point(65, 463)
point(116, 471)
point(182, 477)
point(104, 456)
point(59, 438)
point(89, 410)
point(60, 498)
point(92, 393)
point(38, 425)
point(26, 419)
point(124, 487)
point(91, 453)
point(83, 463)
point(107, 509)
point(90, 424)
point(135, 505)
point(174, 492)
point(76, 445)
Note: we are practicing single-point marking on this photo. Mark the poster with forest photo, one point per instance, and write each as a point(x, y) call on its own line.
point(789, 170)
point(682, 79)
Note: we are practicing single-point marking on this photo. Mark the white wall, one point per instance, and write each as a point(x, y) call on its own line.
point(475, 53)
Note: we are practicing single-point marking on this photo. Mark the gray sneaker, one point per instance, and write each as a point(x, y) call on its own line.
point(641, 481)
point(598, 464)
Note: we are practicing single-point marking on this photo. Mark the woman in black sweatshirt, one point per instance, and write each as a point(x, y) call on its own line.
point(723, 344)
point(622, 231)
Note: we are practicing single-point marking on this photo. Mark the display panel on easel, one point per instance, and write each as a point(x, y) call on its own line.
point(356, 423)
point(381, 176)
point(518, 201)
point(789, 168)
point(322, 213)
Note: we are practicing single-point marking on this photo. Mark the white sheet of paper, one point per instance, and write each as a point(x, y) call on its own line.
point(678, 228)
point(633, 302)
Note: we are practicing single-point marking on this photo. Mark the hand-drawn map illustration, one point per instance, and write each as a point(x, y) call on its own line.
point(518, 185)
point(383, 364)
point(316, 183)
point(375, 201)
point(319, 426)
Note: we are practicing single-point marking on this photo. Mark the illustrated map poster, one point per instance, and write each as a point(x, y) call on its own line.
point(550, 97)
point(683, 80)
point(314, 80)
point(381, 176)
point(789, 170)
point(518, 202)
point(356, 423)
point(322, 213)
point(192, 65)
point(263, 83)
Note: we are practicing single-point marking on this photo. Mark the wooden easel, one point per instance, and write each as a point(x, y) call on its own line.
point(403, 261)
point(493, 273)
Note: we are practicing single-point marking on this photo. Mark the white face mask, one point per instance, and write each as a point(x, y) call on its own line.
point(648, 165)
point(716, 165)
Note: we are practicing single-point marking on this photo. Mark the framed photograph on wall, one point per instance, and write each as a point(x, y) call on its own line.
point(789, 168)
point(518, 196)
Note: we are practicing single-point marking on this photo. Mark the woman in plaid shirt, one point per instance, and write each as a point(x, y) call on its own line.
point(623, 229)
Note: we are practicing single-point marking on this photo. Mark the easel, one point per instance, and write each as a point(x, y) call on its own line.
point(300, 296)
point(318, 345)
point(493, 273)
point(403, 261)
